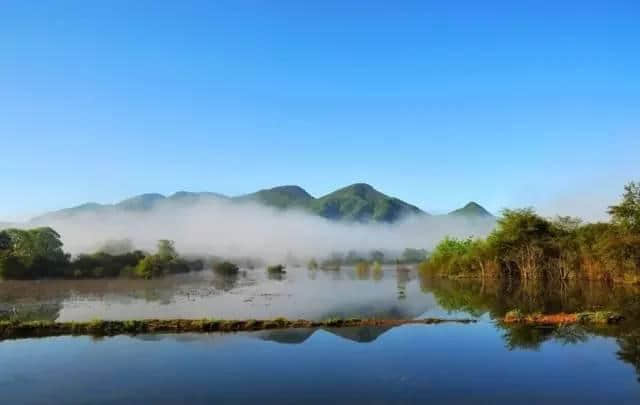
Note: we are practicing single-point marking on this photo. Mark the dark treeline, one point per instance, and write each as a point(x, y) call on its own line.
point(374, 258)
point(37, 253)
point(530, 247)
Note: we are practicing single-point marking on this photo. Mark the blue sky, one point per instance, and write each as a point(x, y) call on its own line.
point(438, 103)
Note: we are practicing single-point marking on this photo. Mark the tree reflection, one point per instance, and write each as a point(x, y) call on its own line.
point(630, 350)
point(496, 297)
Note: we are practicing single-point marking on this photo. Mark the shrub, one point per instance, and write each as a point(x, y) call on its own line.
point(277, 269)
point(226, 268)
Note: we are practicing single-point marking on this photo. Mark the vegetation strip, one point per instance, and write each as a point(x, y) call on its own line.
point(599, 317)
point(17, 329)
point(532, 248)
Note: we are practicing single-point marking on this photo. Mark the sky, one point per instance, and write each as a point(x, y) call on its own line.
point(510, 104)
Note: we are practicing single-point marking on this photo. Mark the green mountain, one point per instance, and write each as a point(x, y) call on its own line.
point(358, 202)
point(471, 210)
point(280, 197)
point(191, 197)
point(363, 203)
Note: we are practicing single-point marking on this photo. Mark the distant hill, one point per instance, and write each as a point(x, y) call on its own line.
point(280, 197)
point(139, 203)
point(363, 203)
point(471, 210)
point(358, 202)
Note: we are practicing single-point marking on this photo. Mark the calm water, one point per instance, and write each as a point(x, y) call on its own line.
point(477, 363)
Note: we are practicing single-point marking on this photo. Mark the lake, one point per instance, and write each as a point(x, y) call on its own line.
point(475, 363)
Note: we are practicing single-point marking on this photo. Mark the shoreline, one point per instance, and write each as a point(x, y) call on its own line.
point(17, 329)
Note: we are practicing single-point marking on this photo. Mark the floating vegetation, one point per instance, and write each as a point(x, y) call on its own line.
point(16, 329)
point(599, 317)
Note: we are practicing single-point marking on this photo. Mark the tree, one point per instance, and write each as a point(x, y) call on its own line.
point(627, 213)
point(377, 256)
point(411, 255)
point(166, 250)
point(147, 268)
point(35, 252)
point(520, 239)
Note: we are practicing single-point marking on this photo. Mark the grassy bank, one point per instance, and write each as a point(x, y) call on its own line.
point(12, 330)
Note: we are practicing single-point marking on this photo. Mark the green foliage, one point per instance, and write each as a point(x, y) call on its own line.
point(277, 269)
point(451, 256)
point(531, 247)
point(31, 253)
point(100, 264)
point(37, 253)
point(627, 213)
point(363, 270)
point(165, 261)
point(166, 250)
point(148, 268)
point(312, 265)
point(11, 267)
point(226, 268)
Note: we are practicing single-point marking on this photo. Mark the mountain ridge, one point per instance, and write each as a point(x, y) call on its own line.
point(358, 202)
point(471, 209)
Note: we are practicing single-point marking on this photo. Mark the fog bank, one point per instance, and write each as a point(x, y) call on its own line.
point(231, 229)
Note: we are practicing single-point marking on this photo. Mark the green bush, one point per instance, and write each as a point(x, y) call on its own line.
point(226, 268)
point(277, 269)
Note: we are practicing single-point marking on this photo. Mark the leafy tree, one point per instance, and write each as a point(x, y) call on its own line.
point(166, 250)
point(520, 239)
point(413, 255)
point(32, 253)
point(148, 268)
point(627, 213)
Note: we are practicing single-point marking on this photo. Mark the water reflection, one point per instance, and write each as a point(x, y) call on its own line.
point(389, 293)
point(403, 276)
point(495, 298)
point(300, 293)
